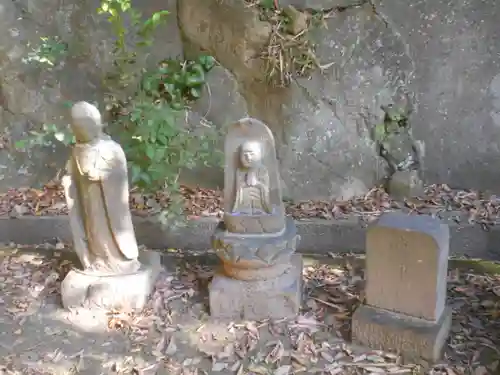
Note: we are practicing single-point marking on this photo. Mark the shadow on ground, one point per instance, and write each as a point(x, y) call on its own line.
point(175, 335)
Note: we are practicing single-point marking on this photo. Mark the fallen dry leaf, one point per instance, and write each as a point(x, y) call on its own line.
point(477, 208)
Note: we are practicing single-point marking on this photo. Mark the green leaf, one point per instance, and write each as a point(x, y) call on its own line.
point(177, 78)
point(50, 128)
point(60, 136)
point(145, 43)
point(195, 92)
point(135, 172)
point(267, 4)
point(207, 62)
point(169, 87)
point(177, 105)
point(145, 178)
point(196, 76)
point(160, 153)
point(150, 151)
point(21, 144)
point(158, 17)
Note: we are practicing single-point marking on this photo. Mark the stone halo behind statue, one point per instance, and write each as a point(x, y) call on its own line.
point(260, 276)
point(252, 192)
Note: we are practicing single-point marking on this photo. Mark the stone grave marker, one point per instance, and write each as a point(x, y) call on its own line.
point(406, 272)
point(260, 277)
point(113, 274)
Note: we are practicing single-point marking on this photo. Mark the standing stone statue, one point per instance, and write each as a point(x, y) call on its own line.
point(97, 192)
point(255, 241)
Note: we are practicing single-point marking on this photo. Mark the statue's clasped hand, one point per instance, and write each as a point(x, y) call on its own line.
point(93, 176)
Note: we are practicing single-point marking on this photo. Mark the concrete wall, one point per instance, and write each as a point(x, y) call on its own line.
point(441, 58)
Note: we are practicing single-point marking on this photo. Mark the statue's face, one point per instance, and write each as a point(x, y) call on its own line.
point(85, 131)
point(250, 154)
point(86, 122)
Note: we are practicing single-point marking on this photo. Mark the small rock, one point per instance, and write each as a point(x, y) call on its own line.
point(152, 203)
point(19, 210)
point(405, 184)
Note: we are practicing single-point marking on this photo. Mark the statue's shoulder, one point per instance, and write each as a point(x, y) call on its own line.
point(110, 149)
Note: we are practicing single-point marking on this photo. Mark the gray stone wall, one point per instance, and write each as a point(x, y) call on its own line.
point(439, 58)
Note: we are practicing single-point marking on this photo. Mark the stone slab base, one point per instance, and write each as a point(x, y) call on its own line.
point(413, 338)
point(122, 292)
point(279, 297)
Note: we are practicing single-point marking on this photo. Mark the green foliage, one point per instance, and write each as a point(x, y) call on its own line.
point(147, 107)
point(156, 141)
point(266, 4)
point(46, 137)
point(395, 120)
point(48, 53)
point(394, 140)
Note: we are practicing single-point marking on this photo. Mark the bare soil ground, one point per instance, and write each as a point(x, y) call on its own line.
point(175, 334)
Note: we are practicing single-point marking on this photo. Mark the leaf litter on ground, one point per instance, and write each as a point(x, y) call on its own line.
point(463, 206)
point(177, 335)
point(175, 328)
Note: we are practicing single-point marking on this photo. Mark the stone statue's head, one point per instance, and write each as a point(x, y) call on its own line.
point(251, 154)
point(86, 122)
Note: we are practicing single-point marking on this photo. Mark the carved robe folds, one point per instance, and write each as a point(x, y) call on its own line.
point(252, 194)
point(97, 197)
point(114, 275)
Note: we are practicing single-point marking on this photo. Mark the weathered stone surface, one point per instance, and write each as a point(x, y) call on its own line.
point(407, 264)
point(414, 338)
point(255, 251)
point(278, 297)
point(32, 94)
point(405, 184)
point(406, 273)
point(221, 104)
point(253, 202)
point(121, 292)
point(260, 277)
point(97, 191)
point(321, 4)
point(228, 30)
point(456, 70)
point(343, 104)
point(395, 52)
point(97, 196)
point(221, 101)
point(334, 146)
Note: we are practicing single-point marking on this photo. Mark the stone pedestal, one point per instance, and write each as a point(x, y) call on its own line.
point(276, 297)
point(126, 292)
point(260, 277)
point(406, 272)
point(414, 338)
